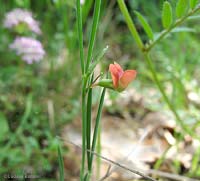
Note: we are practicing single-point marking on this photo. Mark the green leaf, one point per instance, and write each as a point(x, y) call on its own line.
point(181, 8)
point(196, 17)
point(183, 29)
point(193, 3)
point(93, 33)
point(96, 128)
point(3, 125)
point(145, 25)
point(97, 60)
point(89, 118)
point(167, 17)
point(61, 164)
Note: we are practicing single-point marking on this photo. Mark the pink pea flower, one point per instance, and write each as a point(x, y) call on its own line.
point(120, 78)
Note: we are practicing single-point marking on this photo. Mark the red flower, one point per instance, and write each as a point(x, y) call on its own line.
point(121, 79)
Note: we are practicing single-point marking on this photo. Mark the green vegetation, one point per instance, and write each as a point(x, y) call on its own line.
point(49, 85)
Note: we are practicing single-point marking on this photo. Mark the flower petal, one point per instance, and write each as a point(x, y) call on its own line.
point(127, 77)
point(119, 68)
point(114, 74)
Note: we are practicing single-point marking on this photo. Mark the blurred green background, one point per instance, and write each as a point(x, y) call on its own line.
point(38, 100)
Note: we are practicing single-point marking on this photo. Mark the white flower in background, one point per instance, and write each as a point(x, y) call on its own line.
point(17, 16)
point(30, 49)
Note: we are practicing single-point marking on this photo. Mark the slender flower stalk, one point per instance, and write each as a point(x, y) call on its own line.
point(87, 78)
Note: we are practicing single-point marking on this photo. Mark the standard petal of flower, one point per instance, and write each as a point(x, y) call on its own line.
point(118, 68)
point(114, 74)
point(127, 77)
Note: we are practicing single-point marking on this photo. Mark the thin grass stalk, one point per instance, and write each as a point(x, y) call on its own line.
point(89, 117)
point(98, 159)
point(61, 164)
point(97, 10)
point(95, 135)
point(80, 34)
point(84, 126)
point(83, 91)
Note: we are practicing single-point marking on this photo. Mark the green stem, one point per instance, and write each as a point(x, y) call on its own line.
point(166, 32)
point(80, 34)
point(61, 164)
point(89, 115)
point(96, 129)
point(95, 23)
point(130, 24)
point(84, 127)
point(98, 152)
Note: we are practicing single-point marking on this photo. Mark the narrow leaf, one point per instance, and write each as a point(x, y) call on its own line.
point(196, 17)
point(97, 60)
point(193, 3)
point(181, 8)
point(145, 25)
point(89, 118)
point(61, 165)
point(167, 17)
point(183, 29)
point(96, 129)
point(95, 22)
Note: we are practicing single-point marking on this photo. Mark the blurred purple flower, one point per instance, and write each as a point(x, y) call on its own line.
point(30, 49)
point(17, 16)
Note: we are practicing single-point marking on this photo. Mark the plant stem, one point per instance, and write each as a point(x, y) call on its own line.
point(98, 159)
point(61, 164)
point(95, 23)
point(165, 32)
point(80, 34)
point(96, 129)
point(84, 127)
point(130, 24)
point(89, 115)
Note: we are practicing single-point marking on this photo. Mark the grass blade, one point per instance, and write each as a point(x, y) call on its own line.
point(80, 33)
point(97, 127)
point(95, 23)
point(97, 60)
point(61, 164)
point(89, 115)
